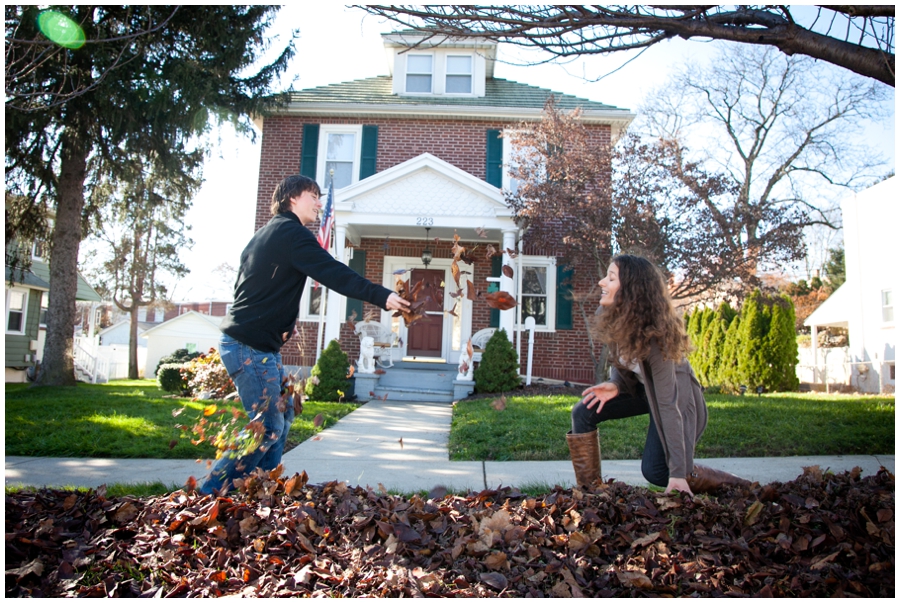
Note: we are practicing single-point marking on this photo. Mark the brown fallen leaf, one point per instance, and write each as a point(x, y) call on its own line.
point(634, 580)
point(401, 443)
point(500, 300)
point(507, 270)
point(317, 421)
point(499, 403)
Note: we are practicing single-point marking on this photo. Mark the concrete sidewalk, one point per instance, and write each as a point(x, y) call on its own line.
point(402, 446)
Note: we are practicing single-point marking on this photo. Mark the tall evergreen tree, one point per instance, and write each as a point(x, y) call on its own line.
point(727, 373)
point(781, 345)
point(147, 80)
point(752, 358)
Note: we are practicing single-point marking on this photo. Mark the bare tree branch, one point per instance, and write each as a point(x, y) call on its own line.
point(565, 31)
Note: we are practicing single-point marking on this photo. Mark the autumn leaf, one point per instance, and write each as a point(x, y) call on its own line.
point(499, 403)
point(317, 421)
point(471, 293)
point(489, 252)
point(177, 411)
point(507, 270)
point(454, 271)
point(173, 444)
point(495, 580)
point(191, 484)
point(500, 300)
point(469, 349)
point(481, 232)
point(350, 371)
point(753, 513)
point(210, 410)
point(635, 580)
point(401, 443)
point(513, 254)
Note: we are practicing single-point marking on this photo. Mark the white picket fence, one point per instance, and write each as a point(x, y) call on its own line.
point(831, 367)
point(101, 363)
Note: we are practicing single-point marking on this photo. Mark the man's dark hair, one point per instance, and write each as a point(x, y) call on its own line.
point(292, 186)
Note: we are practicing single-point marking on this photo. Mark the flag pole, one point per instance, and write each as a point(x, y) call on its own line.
point(325, 240)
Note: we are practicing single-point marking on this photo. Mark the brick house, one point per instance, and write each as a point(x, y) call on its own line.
point(417, 156)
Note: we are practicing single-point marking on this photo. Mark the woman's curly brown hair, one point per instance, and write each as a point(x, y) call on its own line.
point(642, 311)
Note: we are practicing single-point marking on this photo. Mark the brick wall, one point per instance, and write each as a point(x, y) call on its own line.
point(559, 355)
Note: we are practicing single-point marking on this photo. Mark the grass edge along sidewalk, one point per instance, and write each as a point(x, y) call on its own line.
point(134, 419)
point(782, 424)
point(125, 419)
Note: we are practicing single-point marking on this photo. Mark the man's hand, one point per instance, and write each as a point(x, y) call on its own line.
point(395, 302)
point(599, 395)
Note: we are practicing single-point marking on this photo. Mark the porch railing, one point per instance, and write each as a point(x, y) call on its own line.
point(88, 361)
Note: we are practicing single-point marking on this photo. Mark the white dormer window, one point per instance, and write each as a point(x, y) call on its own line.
point(340, 147)
point(459, 75)
point(419, 72)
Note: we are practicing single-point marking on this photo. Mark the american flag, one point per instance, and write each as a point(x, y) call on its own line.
point(324, 236)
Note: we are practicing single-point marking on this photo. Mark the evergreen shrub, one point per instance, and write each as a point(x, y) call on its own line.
point(328, 380)
point(179, 356)
point(168, 376)
point(498, 370)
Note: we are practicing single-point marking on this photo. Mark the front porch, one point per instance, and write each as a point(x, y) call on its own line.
point(410, 380)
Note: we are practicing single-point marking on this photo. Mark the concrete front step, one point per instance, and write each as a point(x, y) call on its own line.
point(411, 394)
point(417, 381)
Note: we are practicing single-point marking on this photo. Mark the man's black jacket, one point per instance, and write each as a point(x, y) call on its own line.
point(270, 282)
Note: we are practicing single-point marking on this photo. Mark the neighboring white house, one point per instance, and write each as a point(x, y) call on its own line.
point(193, 331)
point(118, 334)
point(864, 304)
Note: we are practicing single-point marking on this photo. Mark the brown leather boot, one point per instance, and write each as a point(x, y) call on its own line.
point(584, 448)
point(706, 480)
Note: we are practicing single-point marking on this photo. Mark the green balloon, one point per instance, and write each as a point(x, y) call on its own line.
point(60, 29)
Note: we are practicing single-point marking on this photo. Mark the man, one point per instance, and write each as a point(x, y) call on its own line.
point(270, 282)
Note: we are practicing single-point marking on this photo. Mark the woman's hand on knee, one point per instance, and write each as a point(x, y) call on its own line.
point(680, 484)
point(599, 395)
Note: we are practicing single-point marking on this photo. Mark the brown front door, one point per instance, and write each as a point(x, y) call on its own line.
point(425, 335)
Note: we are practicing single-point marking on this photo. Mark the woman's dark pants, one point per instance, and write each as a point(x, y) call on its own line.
point(653, 461)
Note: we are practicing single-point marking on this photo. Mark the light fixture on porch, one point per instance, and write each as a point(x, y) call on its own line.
point(427, 256)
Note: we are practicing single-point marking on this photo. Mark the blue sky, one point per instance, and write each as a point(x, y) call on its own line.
point(338, 44)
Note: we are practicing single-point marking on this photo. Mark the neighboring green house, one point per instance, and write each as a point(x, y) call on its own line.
point(26, 309)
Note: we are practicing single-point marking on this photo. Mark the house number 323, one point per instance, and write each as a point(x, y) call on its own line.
point(424, 221)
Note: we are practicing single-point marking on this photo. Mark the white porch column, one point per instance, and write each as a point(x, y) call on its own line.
point(508, 317)
point(333, 308)
point(815, 352)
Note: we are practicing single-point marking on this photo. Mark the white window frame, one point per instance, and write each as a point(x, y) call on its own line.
point(539, 261)
point(305, 315)
point(24, 323)
point(142, 313)
point(42, 315)
point(508, 162)
point(407, 72)
point(324, 131)
point(885, 306)
point(471, 73)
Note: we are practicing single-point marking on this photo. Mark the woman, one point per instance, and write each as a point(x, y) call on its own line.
point(650, 374)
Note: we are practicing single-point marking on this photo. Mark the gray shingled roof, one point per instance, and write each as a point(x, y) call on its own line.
point(498, 93)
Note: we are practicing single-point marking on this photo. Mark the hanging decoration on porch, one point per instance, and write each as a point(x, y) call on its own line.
point(427, 255)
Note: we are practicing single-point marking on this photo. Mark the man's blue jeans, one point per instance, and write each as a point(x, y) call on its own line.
point(257, 376)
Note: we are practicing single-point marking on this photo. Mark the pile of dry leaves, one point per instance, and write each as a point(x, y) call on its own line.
point(819, 535)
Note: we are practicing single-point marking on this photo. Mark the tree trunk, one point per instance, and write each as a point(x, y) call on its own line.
point(58, 366)
point(133, 343)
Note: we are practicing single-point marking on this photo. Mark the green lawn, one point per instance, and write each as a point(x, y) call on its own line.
point(122, 419)
point(533, 428)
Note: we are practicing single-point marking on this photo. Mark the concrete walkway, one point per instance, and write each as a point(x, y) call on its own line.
point(402, 446)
